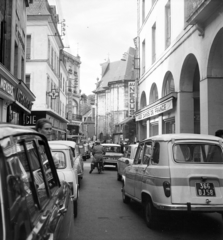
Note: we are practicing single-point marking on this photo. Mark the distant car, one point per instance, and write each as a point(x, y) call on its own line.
point(112, 153)
point(63, 159)
point(176, 172)
point(77, 157)
point(33, 201)
point(126, 160)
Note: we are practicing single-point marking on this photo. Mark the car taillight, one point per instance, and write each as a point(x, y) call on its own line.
point(166, 187)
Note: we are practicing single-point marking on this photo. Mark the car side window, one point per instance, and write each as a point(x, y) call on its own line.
point(156, 153)
point(139, 154)
point(147, 153)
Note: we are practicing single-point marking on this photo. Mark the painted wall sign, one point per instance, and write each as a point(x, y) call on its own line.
point(23, 100)
point(6, 87)
point(131, 87)
point(159, 108)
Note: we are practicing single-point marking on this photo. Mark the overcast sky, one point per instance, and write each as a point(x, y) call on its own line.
point(96, 30)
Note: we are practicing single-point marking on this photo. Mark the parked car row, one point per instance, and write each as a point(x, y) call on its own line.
point(173, 173)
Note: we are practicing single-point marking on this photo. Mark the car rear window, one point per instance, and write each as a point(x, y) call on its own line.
point(197, 153)
point(59, 159)
point(112, 149)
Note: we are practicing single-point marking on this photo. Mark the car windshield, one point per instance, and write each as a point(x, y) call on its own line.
point(114, 149)
point(59, 159)
point(197, 153)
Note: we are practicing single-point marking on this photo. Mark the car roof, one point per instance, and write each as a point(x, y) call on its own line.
point(110, 145)
point(65, 142)
point(13, 129)
point(183, 136)
point(58, 146)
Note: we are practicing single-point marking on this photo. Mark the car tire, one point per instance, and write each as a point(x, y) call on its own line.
point(126, 199)
point(119, 177)
point(151, 214)
point(79, 182)
point(75, 208)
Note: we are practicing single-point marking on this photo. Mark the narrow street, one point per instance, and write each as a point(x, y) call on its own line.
point(103, 216)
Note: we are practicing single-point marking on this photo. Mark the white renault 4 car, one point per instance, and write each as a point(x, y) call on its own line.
point(63, 159)
point(176, 172)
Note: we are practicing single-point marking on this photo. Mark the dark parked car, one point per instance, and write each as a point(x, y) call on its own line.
point(33, 201)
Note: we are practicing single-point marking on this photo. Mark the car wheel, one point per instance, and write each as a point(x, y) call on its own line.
point(151, 214)
point(79, 182)
point(75, 208)
point(125, 199)
point(119, 177)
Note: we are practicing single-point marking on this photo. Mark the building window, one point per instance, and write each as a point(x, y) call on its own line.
point(143, 56)
point(16, 60)
point(154, 43)
point(168, 24)
point(28, 47)
point(153, 94)
point(27, 80)
point(168, 85)
point(48, 50)
point(22, 69)
point(143, 11)
point(51, 58)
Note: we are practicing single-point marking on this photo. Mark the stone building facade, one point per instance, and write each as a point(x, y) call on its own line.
point(181, 74)
point(16, 99)
point(112, 98)
point(43, 49)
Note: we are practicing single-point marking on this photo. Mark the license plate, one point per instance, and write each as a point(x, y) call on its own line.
point(205, 189)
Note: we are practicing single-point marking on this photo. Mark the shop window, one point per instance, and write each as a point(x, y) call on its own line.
point(169, 126)
point(154, 129)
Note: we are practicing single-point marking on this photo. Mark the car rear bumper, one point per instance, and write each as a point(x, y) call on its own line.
point(191, 208)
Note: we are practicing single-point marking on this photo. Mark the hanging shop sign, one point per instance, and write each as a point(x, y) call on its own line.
point(23, 100)
point(131, 87)
point(153, 111)
point(6, 87)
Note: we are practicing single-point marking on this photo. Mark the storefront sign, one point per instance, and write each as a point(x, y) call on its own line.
point(131, 98)
point(6, 87)
point(23, 100)
point(159, 108)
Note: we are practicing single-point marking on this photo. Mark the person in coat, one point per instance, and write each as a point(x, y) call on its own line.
point(97, 152)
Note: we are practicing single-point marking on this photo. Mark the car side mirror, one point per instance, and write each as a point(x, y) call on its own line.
point(127, 162)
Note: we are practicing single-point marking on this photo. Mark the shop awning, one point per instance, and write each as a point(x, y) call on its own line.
point(126, 120)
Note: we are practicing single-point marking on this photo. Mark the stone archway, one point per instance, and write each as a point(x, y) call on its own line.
point(142, 126)
point(189, 97)
point(212, 88)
